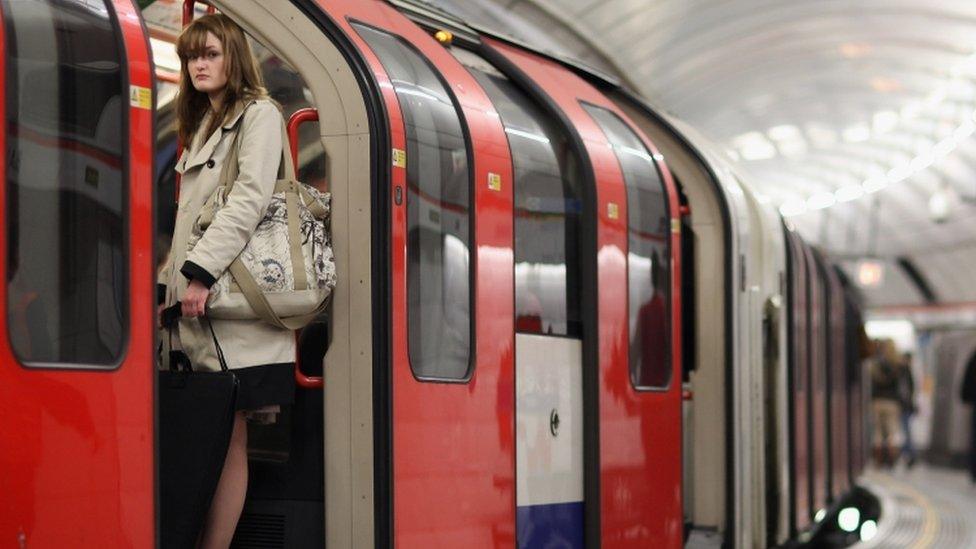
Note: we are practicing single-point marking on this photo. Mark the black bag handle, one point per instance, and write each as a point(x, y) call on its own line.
point(169, 317)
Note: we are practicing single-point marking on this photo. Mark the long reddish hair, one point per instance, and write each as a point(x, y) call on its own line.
point(244, 80)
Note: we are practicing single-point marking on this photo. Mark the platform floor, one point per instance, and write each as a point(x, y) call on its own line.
point(923, 507)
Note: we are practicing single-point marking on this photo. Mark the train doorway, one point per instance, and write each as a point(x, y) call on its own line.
point(285, 492)
point(307, 72)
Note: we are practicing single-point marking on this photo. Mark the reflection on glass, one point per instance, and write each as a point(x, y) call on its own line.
point(438, 213)
point(648, 264)
point(67, 277)
point(547, 208)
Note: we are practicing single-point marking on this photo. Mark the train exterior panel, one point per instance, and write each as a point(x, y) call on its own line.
point(452, 446)
point(771, 455)
point(741, 389)
point(838, 402)
point(76, 454)
point(817, 382)
point(800, 387)
point(639, 429)
point(549, 443)
point(854, 351)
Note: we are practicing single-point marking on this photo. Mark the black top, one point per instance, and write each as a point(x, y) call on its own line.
point(884, 380)
point(968, 390)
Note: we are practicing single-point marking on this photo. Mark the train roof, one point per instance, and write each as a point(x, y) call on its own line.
point(433, 17)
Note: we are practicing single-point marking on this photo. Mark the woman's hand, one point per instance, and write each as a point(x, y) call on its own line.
point(195, 299)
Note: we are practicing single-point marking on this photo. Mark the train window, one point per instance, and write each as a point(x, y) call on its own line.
point(438, 213)
point(798, 308)
point(648, 253)
point(67, 259)
point(547, 207)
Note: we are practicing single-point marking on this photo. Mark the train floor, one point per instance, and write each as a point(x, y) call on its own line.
point(923, 507)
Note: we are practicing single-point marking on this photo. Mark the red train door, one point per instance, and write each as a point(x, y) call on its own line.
point(838, 414)
point(76, 335)
point(631, 374)
point(450, 450)
point(799, 368)
point(817, 392)
point(853, 324)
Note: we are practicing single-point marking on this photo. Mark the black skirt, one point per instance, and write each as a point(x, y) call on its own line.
point(265, 385)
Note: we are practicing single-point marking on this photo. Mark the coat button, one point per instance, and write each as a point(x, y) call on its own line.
point(210, 163)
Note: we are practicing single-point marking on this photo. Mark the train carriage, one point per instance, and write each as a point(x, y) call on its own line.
point(561, 318)
point(799, 343)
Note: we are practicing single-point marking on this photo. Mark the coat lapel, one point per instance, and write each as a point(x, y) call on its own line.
point(203, 154)
point(236, 114)
point(181, 161)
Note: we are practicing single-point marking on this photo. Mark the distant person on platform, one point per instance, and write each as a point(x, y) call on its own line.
point(968, 394)
point(885, 402)
point(906, 389)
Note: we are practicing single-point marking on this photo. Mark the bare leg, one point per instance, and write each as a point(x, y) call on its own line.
point(228, 500)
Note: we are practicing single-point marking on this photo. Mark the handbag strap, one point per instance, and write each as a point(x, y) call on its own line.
point(228, 174)
point(315, 207)
point(220, 352)
point(293, 219)
point(255, 298)
point(229, 171)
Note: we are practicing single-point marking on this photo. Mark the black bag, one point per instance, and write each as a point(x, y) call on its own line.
point(968, 389)
point(196, 418)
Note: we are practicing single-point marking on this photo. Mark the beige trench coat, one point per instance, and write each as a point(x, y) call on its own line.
point(244, 342)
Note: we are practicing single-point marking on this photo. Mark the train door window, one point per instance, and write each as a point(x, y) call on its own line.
point(798, 307)
point(66, 221)
point(438, 212)
point(548, 206)
point(648, 254)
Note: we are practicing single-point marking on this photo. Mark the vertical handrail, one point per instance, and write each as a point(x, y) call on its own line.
point(189, 5)
point(296, 119)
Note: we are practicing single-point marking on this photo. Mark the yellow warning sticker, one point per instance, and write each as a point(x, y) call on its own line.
point(140, 97)
point(613, 210)
point(399, 158)
point(494, 181)
point(675, 226)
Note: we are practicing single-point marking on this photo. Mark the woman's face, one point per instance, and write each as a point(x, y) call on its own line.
point(207, 69)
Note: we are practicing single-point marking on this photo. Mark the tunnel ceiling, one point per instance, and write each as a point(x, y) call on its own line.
point(855, 118)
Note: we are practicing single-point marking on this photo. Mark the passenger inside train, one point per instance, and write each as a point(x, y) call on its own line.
point(628, 274)
point(224, 113)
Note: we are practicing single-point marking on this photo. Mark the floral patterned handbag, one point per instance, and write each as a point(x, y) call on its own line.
point(286, 272)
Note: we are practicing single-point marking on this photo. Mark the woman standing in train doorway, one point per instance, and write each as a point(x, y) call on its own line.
point(222, 95)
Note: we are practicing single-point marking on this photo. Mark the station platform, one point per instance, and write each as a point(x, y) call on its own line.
point(923, 507)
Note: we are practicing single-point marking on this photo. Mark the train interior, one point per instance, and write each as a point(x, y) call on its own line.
point(286, 489)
